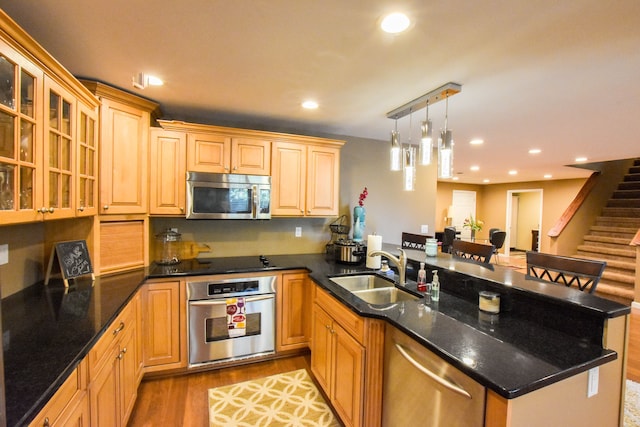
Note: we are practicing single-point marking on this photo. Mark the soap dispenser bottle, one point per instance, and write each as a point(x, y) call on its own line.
point(422, 279)
point(435, 287)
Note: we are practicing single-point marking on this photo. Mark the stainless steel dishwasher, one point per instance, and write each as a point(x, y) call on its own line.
point(421, 389)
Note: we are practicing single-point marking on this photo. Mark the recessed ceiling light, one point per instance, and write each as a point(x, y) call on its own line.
point(310, 105)
point(513, 172)
point(476, 141)
point(581, 159)
point(535, 151)
point(395, 23)
point(475, 168)
point(547, 176)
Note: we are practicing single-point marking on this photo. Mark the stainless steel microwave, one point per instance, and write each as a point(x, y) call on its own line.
point(228, 196)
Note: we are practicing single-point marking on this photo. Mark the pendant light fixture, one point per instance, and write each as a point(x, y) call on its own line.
point(445, 148)
point(426, 148)
point(395, 149)
point(409, 162)
point(426, 142)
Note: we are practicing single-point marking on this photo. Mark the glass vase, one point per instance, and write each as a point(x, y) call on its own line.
point(359, 214)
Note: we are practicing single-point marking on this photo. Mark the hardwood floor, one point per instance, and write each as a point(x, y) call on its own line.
point(182, 400)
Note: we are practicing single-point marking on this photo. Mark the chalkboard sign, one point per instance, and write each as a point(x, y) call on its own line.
point(73, 259)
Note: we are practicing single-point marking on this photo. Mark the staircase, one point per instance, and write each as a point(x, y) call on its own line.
point(608, 240)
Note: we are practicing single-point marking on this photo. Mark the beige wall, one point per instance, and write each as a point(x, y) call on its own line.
point(492, 202)
point(26, 257)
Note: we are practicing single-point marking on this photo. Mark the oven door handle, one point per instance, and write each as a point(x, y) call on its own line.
point(222, 301)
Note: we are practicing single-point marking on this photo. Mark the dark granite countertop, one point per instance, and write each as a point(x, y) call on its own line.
point(48, 331)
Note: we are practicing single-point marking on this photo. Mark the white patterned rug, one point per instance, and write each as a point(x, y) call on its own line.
point(289, 399)
point(632, 405)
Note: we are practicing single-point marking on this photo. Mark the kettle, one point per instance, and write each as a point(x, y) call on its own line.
point(168, 247)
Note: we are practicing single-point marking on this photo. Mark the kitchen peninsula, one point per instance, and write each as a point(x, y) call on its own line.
point(523, 358)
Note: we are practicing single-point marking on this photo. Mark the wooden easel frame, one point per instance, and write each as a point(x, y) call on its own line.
point(81, 253)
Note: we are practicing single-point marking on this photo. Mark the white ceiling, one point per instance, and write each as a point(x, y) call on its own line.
point(556, 75)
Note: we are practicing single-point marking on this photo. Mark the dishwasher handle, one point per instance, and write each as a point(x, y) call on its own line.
point(447, 384)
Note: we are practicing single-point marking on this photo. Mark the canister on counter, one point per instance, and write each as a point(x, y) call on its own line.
point(431, 247)
point(489, 302)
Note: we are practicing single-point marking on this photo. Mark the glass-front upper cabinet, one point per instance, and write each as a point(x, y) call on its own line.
point(20, 155)
point(59, 149)
point(87, 183)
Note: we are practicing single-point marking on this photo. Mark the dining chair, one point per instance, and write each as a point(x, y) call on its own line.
point(447, 239)
point(491, 231)
point(414, 241)
point(472, 250)
point(497, 240)
point(584, 273)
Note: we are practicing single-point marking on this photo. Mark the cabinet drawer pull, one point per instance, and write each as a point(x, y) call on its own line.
point(453, 387)
point(118, 329)
point(120, 355)
point(105, 207)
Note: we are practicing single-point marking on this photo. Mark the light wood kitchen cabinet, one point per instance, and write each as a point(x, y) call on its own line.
point(168, 152)
point(305, 179)
point(293, 311)
point(346, 354)
point(114, 370)
point(69, 406)
point(163, 325)
point(337, 361)
point(59, 146)
point(87, 164)
point(38, 137)
point(125, 120)
point(220, 153)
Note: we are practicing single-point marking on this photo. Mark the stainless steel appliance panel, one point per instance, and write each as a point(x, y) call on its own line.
point(208, 334)
point(419, 388)
point(228, 196)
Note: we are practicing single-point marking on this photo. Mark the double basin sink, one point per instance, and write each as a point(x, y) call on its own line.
point(373, 289)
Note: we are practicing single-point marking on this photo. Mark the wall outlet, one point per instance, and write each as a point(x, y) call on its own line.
point(298, 231)
point(424, 229)
point(4, 254)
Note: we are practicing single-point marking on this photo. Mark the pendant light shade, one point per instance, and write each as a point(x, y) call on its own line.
point(395, 153)
point(445, 154)
point(409, 169)
point(445, 149)
point(426, 143)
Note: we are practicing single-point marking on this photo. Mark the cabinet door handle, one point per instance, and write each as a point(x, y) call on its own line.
point(105, 207)
point(447, 384)
point(51, 209)
point(46, 422)
point(81, 208)
point(119, 328)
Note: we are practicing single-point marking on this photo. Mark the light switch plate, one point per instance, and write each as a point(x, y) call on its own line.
point(424, 229)
point(592, 387)
point(4, 254)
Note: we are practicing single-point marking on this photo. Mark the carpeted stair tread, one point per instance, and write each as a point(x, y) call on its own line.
point(604, 289)
point(627, 194)
point(609, 276)
point(630, 185)
point(623, 203)
point(615, 263)
point(605, 230)
point(607, 240)
point(621, 212)
point(626, 253)
point(618, 221)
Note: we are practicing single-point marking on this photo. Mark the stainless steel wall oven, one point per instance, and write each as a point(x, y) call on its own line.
point(212, 338)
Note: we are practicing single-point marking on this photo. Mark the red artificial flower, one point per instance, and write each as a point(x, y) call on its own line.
point(363, 196)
